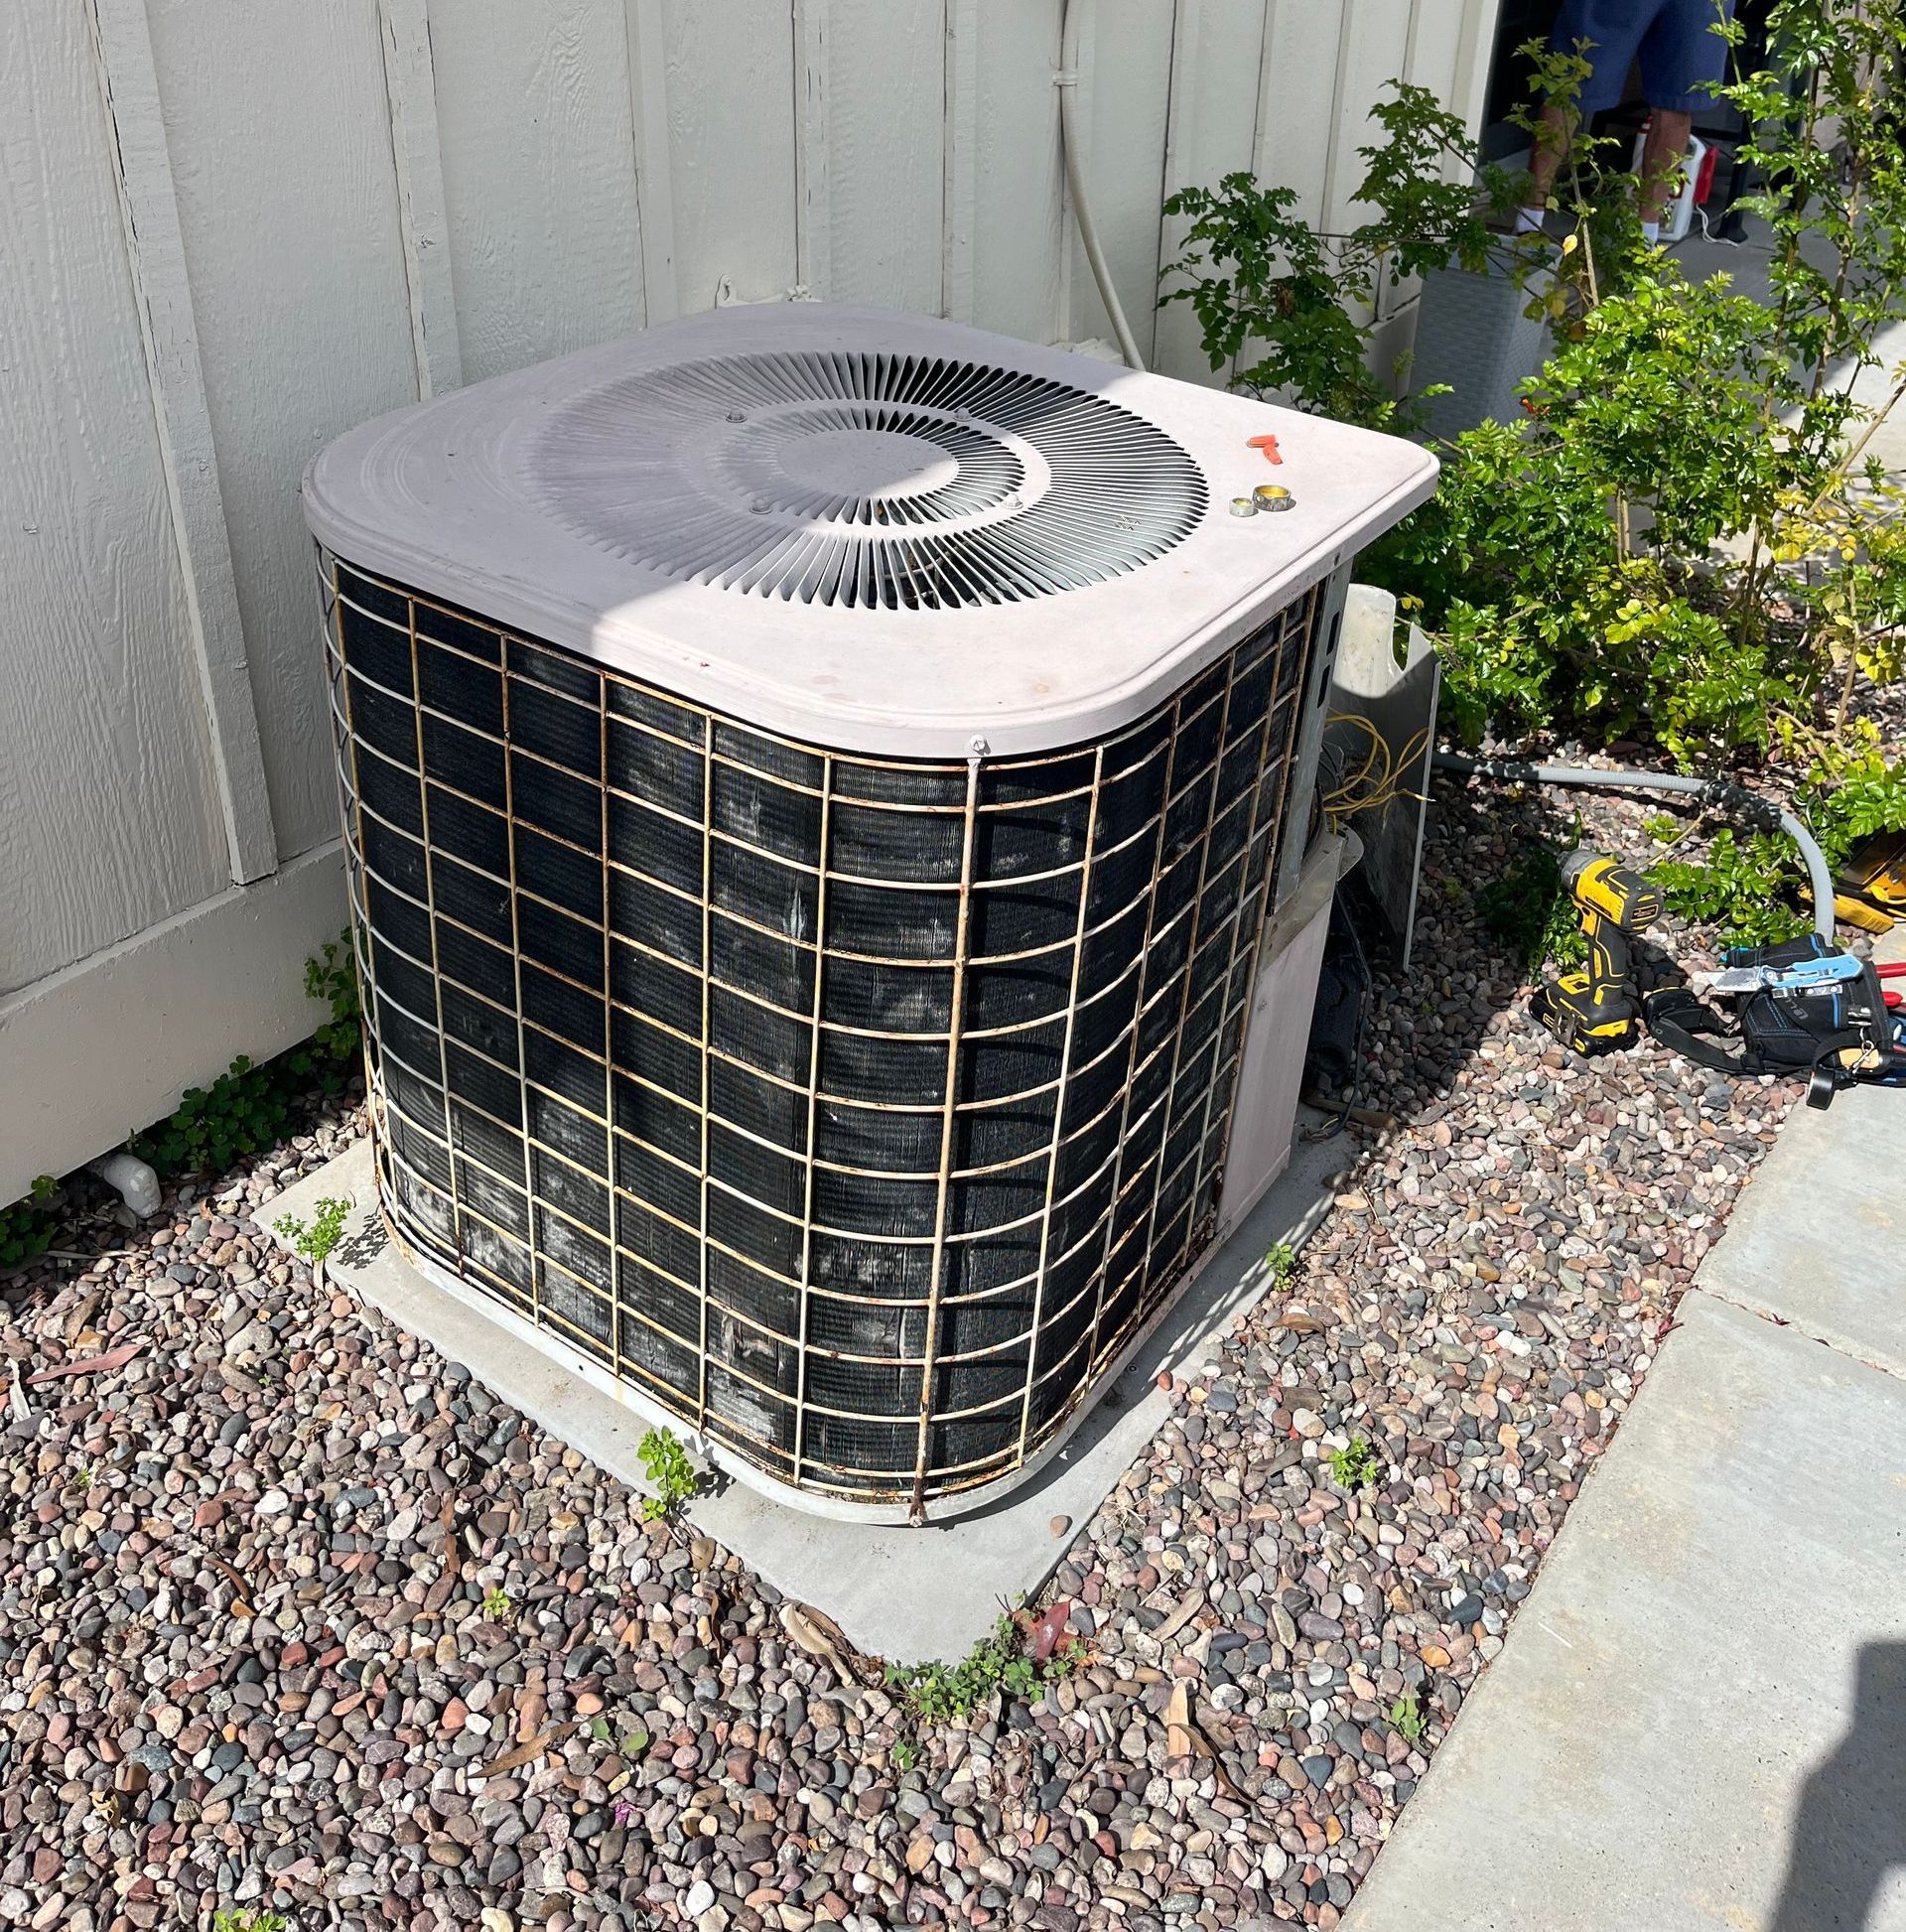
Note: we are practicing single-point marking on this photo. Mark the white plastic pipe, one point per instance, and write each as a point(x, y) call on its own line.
point(1067, 82)
point(138, 1185)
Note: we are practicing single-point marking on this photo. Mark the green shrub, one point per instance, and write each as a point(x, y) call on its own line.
point(1753, 883)
point(1558, 614)
point(1529, 909)
point(1682, 536)
point(1271, 292)
point(27, 1227)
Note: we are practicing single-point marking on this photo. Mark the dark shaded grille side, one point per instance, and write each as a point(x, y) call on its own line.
point(859, 1112)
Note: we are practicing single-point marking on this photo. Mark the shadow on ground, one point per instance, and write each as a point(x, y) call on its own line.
point(1850, 1827)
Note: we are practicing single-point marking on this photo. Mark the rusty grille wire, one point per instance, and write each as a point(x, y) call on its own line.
point(859, 1112)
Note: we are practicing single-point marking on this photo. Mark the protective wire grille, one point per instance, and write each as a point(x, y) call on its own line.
point(857, 1112)
point(869, 481)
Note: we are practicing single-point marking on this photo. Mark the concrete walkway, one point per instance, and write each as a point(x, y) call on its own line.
point(1699, 1717)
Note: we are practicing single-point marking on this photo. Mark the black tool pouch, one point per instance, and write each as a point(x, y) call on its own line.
point(1778, 1030)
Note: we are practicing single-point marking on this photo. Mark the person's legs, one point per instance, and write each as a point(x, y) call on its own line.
point(1661, 153)
point(1555, 133)
point(1607, 33)
point(1681, 56)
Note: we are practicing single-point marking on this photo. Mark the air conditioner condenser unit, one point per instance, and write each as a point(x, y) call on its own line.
point(816, 786)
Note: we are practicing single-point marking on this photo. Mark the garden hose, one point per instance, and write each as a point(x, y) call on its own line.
point(1744, 804)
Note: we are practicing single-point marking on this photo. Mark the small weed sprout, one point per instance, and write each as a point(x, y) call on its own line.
point(1408, 1717)
point(1282, 1260)
point(245, 1919)
point(497, 1603)
point(933, 1692)
point(667, 1466)
point(1354, 1464)
point(84, 1476)
point(315, 1239)
point(905, 1753)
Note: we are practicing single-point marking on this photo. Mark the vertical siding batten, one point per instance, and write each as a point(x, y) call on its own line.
point(1434, 45)
point(1124, 103)
point(411, 87)
point(1019, 215)
point(1374, 51)
point(1302, 40)
point(1212, 133)
point(1266, 51)
point(655, 190)
point(962, 164)
point(1303, 44)
point(278, 122)
point(155, 257)
point(886, 103)
point(1475, 57)
point(109, 822)
point(1072, 263)
point(813, 176)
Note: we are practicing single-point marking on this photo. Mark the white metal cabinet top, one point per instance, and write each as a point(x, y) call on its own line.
point(870, 530)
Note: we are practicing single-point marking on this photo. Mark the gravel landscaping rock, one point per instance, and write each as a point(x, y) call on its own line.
point(295, 1616)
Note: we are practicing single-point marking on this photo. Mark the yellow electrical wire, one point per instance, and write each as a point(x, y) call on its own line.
point(1360, 791)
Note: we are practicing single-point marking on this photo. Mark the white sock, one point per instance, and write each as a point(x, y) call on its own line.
point(1651, 233)
point(1528, 220)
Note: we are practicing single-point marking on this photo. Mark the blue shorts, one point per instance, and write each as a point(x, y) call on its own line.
point(1674, 39)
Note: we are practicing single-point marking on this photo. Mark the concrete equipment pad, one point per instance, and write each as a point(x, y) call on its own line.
point(898, 1593)
point(1819, 1235)
point(1699, 1717)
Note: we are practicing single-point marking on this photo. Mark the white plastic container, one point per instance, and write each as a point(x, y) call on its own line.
point(1678, 215)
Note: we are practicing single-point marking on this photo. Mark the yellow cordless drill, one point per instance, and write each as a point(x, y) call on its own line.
point(1595, 1009)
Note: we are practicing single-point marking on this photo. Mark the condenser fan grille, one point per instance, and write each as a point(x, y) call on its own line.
point(857, 1111)
point(868, 481)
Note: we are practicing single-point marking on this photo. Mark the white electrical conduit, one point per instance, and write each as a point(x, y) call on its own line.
point(1709, 791)
point(138, 1185)
point(1067, 82)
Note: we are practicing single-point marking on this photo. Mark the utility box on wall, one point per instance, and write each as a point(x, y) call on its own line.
point(817, 781)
